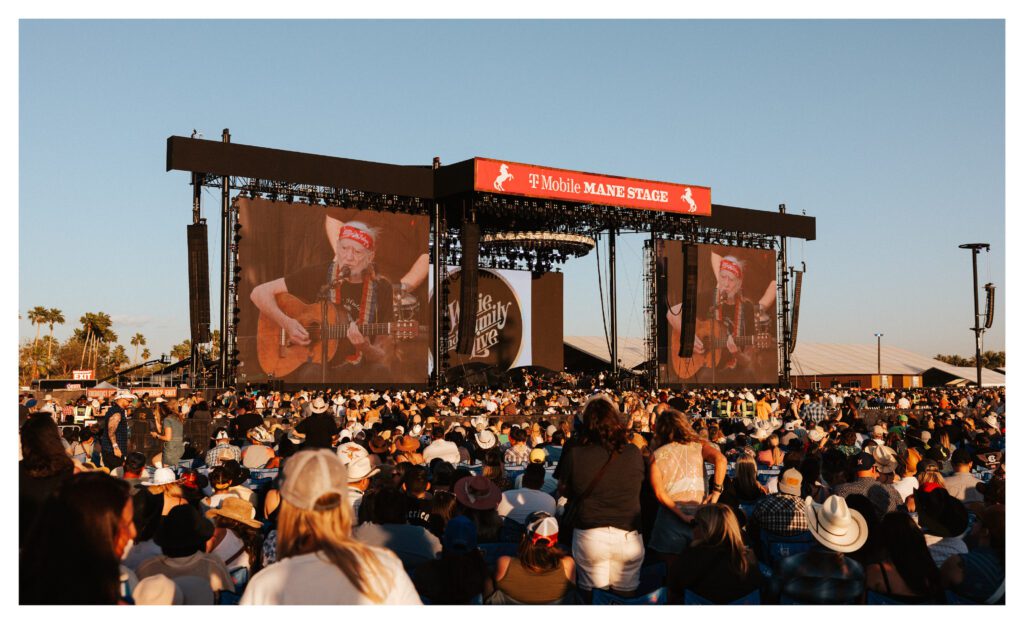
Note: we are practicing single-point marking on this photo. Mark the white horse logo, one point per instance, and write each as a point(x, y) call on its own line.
point(688, 199)
point(502, 177)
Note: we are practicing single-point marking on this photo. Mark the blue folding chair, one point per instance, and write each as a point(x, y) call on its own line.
point(498, 549)
point(656, 597)
point(777, 547)
point(652, 576)
point(875, 598)
point(753, 598)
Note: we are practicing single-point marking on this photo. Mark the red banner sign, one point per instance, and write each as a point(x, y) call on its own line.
point(510, 178)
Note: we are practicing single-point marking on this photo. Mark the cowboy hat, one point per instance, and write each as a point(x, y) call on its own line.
point(486, 439)
point(236, 509)
point(318, 406)
point(477, 492)
point(407, 444)
point(162, 476)
point(939, 513)
point(360, 468)
point(835, 525)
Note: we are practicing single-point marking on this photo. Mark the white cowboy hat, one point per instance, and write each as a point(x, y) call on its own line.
point(361, 468)
point(835, 525)
point(318, 406)
point(162, 476)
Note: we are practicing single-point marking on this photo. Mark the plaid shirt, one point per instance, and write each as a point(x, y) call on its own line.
point(781, 514)
point(819, 577)
point(883, 496)
point(814, 412)
point(214, 456)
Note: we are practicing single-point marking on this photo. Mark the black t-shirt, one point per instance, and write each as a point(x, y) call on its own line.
point(307, 282)
point(241, 424)
point(318, 429)
point(615, 500)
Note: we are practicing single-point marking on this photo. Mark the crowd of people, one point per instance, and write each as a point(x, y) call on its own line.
point(542, 494)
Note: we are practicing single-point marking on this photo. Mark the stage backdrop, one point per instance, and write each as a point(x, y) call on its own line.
point(518, 322)
point(295, 241)
point(736, 331)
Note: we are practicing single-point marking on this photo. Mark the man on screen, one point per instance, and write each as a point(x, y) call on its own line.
point(735, 321)
point(350, 283)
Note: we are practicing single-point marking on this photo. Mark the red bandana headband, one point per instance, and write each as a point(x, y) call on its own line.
point(359, 236)
point(731, 267)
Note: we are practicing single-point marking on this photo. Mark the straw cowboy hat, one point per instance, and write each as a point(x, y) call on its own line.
point(236, 509)
point(835, 525)
point(318, 406)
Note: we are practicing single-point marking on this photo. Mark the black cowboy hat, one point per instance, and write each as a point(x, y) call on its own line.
point(183, 529)
point(939, 513)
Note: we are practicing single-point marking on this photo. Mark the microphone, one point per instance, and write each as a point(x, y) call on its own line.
point(345, 273)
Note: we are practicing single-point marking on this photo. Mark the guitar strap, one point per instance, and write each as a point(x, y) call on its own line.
point(368, 301)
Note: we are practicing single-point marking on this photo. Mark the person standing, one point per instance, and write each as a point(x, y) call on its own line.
point(114, 440)
point(603, 476)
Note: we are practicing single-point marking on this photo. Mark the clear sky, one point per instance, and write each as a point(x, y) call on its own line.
point(890, 133)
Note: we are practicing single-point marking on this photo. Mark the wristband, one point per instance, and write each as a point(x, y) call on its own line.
point(717, 487)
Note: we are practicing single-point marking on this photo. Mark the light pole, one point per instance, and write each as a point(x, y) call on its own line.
point(879, 335)
point(975, 248)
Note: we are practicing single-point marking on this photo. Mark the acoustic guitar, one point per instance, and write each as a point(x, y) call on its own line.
point(715, 349)
point(279, 357)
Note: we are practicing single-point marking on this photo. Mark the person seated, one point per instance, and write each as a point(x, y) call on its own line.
point(259, 452)
point(223, 449)
point(906, 572)
point(477, 498)
point(781, 514)
point(825, 576)
point(517, 504)
point(980, 574)
point(182, 538)
point(883, 496)
point(717, 565)
point(226, 482)
point(236, 539)
point(541, 572)
point(944, 522)
point(460, 576)
point(386, 527)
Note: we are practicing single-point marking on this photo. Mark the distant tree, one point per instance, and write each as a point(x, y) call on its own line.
point(37, 316)
point(54, 316)
point(138, 340)
point(182, 350)
point(989, 359)
point(117, 359)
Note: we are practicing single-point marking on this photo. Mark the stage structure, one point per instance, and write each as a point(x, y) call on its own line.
point(525, 218)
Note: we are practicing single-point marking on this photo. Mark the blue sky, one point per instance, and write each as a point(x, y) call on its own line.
point(890, 133)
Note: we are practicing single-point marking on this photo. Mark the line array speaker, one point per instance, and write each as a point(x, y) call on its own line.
point(469, 292)
point(689, 312)
point(198, 283)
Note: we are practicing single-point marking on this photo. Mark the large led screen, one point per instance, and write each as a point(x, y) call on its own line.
point(518, 321)
point(735, 331)
point(332, 295)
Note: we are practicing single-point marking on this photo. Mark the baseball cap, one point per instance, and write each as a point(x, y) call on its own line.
point(864, 461)
point(312, 473)
point(791, 481)
point(542, 526)
point(538, 456)
point(459, 535)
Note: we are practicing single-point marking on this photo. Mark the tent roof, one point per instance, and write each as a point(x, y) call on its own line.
point(631, 350)
point(813, 358)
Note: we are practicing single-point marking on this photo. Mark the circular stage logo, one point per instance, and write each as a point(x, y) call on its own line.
point(498, 336)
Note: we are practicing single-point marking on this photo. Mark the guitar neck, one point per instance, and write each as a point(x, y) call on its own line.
point(366, 329)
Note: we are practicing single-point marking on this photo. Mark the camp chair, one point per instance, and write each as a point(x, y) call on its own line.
point(753, 598)
point(656, 597)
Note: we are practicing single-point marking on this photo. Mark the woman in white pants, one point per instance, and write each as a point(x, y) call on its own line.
point(603, 475)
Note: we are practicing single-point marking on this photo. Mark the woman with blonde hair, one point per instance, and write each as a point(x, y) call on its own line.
point(717, 566)
point(166, 485)
point(318, 561)
point(677, 478)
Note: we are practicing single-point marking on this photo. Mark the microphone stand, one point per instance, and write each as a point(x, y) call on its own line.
point(324, 297)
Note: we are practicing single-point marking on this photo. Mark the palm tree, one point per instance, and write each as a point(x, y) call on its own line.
point(54, 316)
point(37, 316)
point(182, 350)
point(138, 340)
point(95, 330)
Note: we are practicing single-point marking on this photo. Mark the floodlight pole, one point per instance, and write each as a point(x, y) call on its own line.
point(975, 248)
point(879, 337)
point(612, 305)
